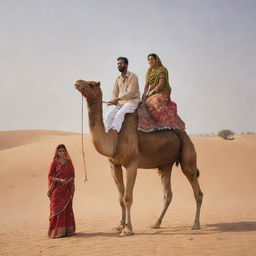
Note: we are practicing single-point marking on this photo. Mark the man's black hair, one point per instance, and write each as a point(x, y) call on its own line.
point(124, 59)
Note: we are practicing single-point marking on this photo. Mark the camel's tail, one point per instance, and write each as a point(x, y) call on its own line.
point(177, 162)
point(184, 138)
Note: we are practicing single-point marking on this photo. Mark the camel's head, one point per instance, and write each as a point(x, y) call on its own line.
point(90, 90)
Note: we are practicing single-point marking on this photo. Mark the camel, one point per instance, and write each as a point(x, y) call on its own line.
point(133, 149)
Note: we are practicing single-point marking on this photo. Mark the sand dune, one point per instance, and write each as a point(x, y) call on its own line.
point(228, 178)
point(9, 139)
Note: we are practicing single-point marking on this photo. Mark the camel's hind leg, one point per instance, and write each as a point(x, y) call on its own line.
point(192, 177)
point(189, 168)
point(117, 174)
point(166, 182)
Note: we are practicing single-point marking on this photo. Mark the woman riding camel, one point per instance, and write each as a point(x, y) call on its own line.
point(156, 96)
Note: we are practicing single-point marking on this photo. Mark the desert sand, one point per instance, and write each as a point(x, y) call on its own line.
point(228, 216)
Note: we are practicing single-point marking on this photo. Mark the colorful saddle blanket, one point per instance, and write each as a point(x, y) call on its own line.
point(158, 114)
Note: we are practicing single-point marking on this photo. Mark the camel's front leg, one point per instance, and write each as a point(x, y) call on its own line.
point(131, 173)
point(117, 174)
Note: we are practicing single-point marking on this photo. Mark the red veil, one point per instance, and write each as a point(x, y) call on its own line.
point(56, 152)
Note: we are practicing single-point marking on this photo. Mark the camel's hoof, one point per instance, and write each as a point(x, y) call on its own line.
point(118, 229)
point(155, 226)
point(196, 227)
point(126, 232)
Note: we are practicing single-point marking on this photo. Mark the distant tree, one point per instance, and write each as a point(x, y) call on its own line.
point(226, 134)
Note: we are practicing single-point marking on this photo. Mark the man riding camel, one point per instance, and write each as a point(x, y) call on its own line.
point(125, 97)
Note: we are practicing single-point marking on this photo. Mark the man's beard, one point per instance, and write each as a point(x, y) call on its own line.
point(121, 69)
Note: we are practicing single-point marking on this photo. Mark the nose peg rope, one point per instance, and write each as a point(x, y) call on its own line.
point(82, 137)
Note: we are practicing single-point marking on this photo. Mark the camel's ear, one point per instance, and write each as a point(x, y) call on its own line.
point(98, 84)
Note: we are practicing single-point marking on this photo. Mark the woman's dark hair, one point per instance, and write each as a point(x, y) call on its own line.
point(56, 156)
point(124, 59)
point(153, 55)
point(61, 146)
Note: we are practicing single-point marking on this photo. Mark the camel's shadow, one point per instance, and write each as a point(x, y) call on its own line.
point(184, 230)
point(243, 226)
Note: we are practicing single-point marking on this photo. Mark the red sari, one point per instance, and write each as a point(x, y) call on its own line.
point(159, 113)
point(164, 111)
point(62, 221)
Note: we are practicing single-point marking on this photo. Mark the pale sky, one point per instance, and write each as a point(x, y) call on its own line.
point(208, 46)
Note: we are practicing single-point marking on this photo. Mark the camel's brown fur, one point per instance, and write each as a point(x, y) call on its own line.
point(133, 149)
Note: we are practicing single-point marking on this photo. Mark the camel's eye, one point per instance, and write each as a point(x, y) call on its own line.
point(92, 85)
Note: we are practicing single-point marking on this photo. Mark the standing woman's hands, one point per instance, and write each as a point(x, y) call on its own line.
point(64, 182)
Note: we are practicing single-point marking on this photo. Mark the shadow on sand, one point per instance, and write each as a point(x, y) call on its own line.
point(243, 226)
point(96, 234)
point(184, 230)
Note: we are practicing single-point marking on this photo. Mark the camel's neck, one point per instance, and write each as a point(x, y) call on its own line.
point(105, 143)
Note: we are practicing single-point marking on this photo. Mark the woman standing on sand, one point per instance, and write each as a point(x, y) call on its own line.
point(61, 191)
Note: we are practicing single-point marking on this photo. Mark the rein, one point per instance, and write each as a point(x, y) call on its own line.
point(82, 137)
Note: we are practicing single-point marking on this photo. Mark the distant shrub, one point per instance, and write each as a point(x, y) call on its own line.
point(226, 134)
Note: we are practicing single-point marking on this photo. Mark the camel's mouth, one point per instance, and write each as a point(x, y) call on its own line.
point(89, 89)
point(80, 84)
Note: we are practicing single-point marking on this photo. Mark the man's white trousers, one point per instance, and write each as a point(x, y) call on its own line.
point(115, 116)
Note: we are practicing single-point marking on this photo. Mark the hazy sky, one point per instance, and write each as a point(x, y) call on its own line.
point(208, 46)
